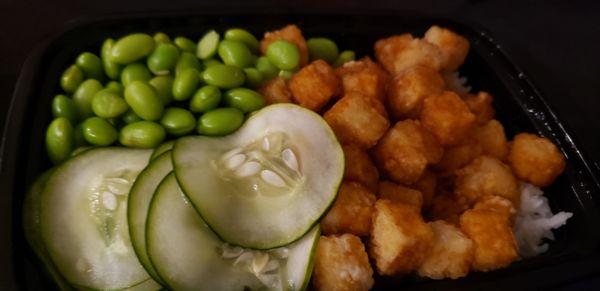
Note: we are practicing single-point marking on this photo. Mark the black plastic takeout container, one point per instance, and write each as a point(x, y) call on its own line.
point(519, 106)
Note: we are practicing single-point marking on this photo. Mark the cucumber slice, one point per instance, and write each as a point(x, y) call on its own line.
point(208, 44)
point(83, 218)
point(166, 146)
point(189, 256)
point(139, 201)
point(267, 184)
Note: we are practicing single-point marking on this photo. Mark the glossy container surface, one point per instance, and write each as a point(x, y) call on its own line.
point(520, 107)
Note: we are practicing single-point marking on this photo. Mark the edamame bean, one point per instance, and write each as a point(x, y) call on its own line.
point(178, 121)
point(283, 54)
point(142, 134)
point(161, 37)
point(321, 48)
point(344, 57)
point(130, 117)
point(83, 97)
point(220, 121)
point(91, 65)
point(235, 53)
point(163, 85)
point(79, 150)
point(266, 68)
point(253, 77)
point(115, 122)
point(210, 62)
point(135, 72)
point(243, 36)
point(185, 84)
point(108, 104)
point(116, 87)
point(143, 100)
point(206, 98)
point(63, 106)
point(59, 140)
point(131, 48)
point(163, 59)
point(187, 61)
point(111, 69)
point(223, 76)
point(286, 74)
point(244, 99)
point(78, 139)
point(98, 131)
point(185, 44)
point(71, 78)
point(207, 45)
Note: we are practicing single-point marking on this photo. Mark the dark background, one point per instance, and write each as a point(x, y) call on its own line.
point(556, 43)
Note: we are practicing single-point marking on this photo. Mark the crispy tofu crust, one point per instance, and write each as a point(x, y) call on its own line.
point(400, 52)
point(314, 85)
point(492, 139)
point(359, 167)
point(364, 77)
point(535, 159)
point(406, 91)
point(487, 176)
point(481, 105)
point(447, 116)
point(398, 193)
point(458, 156)
point(351, 211)
point(427, 185)
point(276, 91)
point(454, 48)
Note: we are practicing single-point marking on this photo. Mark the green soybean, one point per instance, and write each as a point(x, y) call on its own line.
point(71, 78)
point(115, 122)
point(206, 98)
point(211, 62)
point(83, 97)
point(185, 84)
point(98, 131)
point(178, 121)
point(283, 54)
point(185, 44)
point(79, 150)
point(116, 87)
point(163, 59)
point(344, 57)
point(112, 70)
point(235, 53)
point(131, 48)
point(135, 72)
point(91, 65)
point(59, 140)
point(321, 48)
point(244, 99)
point(163, 85)
point(63, 106)
point(78, 139)
point(243, 36)
point(130, 117)
point(187, 61)
point(108, 104)
point(143, 100)
point(161, 37)
point(208, 44)
point(220, 121)
point(254, 77)
point(142, 134)
point(223, 76)
point(286, 74)
point(266, 68)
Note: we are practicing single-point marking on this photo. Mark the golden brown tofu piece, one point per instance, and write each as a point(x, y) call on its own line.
point(400, 52)
point(359, 167)
point(427, 185)
point(398, 193)
point(458, 156)
point(400, 239)
point(492, 139)
point(481, 106)
point(497, 204)
point(448, 206)
point(487, 176)
point(447, 116)
point(289, 33)
point(494, 243)
point(454, 47)
point(314, 85)
point(341, 264)
point(405, 150)
point(276, 91)
point(355, 120)
point(406, 91)
point(351, 211)
point(451, 254)
point(364, 77)
point(535, 159)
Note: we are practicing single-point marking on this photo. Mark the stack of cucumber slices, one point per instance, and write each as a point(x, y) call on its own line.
point(238, 212)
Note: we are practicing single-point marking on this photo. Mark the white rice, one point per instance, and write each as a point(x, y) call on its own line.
point(456, 83)
point(535, 221)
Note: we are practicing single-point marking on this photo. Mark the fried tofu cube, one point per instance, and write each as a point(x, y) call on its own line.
point(398, 193)
point(535, 159)
point(492, 139)
point(289, 33)
point(400, 239)
point(448, 206)
point(314, 85)
point(406, 91)
point(276, 91)
point(351, 211)
point(447, 116)
point(493, 239)
point(359, 167)
point(355, 120)
point(427, 185)
point(487, 176)
point(458, 156)
point(405, 150)
point(400, 52)
point(454, 47)
point(341, 264)
point(364, 77)
point(481, 106)
point(497, 204)
point(451, 254)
